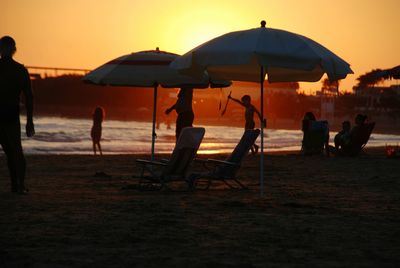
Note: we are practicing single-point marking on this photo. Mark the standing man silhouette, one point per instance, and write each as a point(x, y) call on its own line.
point(14, 79)
point(184, 109)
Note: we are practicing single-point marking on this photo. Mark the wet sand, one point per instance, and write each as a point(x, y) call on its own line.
point(316, 211)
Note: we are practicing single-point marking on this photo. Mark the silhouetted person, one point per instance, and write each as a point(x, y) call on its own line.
point(183, 108)
point(249, 116)
point(308, 118)
point(95, 133)
point(14, 79)
point(349, 144)
point(311, 144)
point(358, 121)
point(343, 138)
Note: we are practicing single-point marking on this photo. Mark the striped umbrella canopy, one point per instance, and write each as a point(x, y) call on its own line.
point(148, 69)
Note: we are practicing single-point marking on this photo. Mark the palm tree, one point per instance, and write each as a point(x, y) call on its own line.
point(330, 87)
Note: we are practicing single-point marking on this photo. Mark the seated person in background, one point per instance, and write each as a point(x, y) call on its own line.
point(342, 139)
point(315, 135)
point(307, 119)
point(359, 122)
point(357, 138)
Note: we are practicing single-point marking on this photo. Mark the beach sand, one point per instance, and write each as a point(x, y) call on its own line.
point(316, 211)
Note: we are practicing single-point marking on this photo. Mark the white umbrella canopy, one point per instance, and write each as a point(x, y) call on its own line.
point(251, 54)
point(148, 69)
point(285, 57)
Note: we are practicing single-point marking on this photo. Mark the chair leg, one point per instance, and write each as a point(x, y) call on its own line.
point(142, 172)
point(241, 184)
point(148, 182)
point(146, 185)
point(197, 183)
point(194, 180)
point(228, 184)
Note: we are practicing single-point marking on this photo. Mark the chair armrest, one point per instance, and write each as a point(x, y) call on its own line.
point(216, 161)
point(149, 162)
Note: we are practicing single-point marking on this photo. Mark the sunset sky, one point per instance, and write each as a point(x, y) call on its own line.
point(87, 33)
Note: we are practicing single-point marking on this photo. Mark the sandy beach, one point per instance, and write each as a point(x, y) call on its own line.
point(316, 212)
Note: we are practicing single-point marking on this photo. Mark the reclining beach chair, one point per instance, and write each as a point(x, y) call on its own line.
point(225, 170)
point(358, 140)
point(155, 174)
point(315, 138)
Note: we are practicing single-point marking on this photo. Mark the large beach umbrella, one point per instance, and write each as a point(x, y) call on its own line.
point(251, 54)
point(147, 69)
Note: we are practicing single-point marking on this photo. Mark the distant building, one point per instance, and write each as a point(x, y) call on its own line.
point(253, 89)
point(245, 88)
point(369, 91)
point(328, 95)
point(375, 94)
point(375, 91)
point(286, 88)
point(327, 111)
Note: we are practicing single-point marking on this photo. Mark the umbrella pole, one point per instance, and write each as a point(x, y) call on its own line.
point(153, 134)
point(262, 132)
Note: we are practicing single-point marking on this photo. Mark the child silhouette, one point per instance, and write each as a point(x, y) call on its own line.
point(249, 114)
point(98, 117)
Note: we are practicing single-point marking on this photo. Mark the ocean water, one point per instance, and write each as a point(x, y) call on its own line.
point(56, 135)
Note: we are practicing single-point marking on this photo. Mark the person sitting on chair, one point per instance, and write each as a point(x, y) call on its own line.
point(352, 143)
point(315, 135)
point(343, 138)
point(359, 122)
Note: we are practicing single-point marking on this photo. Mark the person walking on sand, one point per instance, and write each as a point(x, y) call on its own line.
point(14, 79)
point(95, 133)
point(184, 109)
point(249, 116)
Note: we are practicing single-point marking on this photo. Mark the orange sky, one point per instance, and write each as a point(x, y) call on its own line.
point(87, 33)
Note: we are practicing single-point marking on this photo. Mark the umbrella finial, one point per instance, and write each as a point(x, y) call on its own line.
point(263, 23)
point(157, 49)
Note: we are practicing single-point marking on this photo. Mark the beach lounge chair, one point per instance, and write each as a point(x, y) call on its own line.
point(358, 140)
point(155, 174)
point(315, 138)
point(225, 170)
